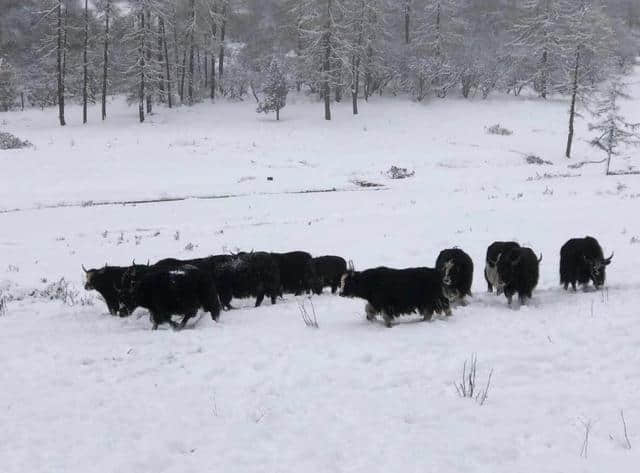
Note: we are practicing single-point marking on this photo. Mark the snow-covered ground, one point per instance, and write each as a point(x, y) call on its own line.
point(81, 391)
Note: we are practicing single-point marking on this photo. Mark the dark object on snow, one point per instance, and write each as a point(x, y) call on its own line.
point(533, 159)
point(456, 268)
point(495, 250)
point(9, 141)
point(329, 270)
point(241, 275)
point(365, 184)
point(297, 272)
point(254, 274)
point(167, 292)
point(498, 130)
point(269, 178)
point(581, 261)
point(394, 172)
point(108, 282)
point(393, 292)
point(518, 271)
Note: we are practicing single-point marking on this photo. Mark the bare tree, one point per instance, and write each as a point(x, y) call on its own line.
point(107, 12)
point(85, 62)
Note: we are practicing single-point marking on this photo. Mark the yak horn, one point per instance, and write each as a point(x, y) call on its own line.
point(540, 259)
point(84, 269)
point(608, 260)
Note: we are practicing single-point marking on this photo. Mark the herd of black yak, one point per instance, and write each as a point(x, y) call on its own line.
point(182, 287)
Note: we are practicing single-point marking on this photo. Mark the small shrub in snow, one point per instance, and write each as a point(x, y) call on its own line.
point(584, 451)
point(363, 183)
point(190, 247)
point(62, 290)
point(627, 443)
point(634, 240)
point(533, 159)
point(176, 235)
point(395, 172)
point(468, 385)
point(9, 141)
point(309, 319)
point(3, 304)
point(498, 130)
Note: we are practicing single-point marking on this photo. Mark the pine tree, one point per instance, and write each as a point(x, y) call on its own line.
point(613, 130)
point(437, 37)
point(275, 89)
point(325, 48)
point(145, 72)
point(55, 42)
point(105, 8)
point(8, 86)
point(587, 44)
point(537, 36)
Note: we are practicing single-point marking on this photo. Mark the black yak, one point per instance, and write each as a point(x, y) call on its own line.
point(581, 261)
point(494, 251)
point(254, 274)
point(107, 281)
point(456, 268)
point(171, 291)
point(297, 272)
point(518, 272)
point(393, 292)
point(329, 270)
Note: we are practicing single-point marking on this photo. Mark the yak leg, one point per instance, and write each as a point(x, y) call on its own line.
point(489, 287)
point(573, 286)
point(260, 297)
point(427, 314)
point(387, 319)
point(186, 318)
point(371, 312)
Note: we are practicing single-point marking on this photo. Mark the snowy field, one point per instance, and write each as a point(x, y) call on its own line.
point(81, 391)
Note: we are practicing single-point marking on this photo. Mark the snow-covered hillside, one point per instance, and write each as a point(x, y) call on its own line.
point(81, 391)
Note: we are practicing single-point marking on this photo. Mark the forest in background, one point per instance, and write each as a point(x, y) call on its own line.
point(181, 52)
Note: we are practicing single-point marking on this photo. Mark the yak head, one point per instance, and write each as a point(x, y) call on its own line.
point(450, 273)
point(350, 282)
point(90, 277)
point(597, 269)
point(507, 266)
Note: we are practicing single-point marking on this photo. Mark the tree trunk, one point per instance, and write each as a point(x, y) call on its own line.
point(205, 63)
point(544, 78)
point(407, 21)
point(277, 114)
point(223, 30)
point(572, 109)
point(22, 101)
point(105, 59)
point(176, 59)
point(326, 64)
point(166, 63)
point(147, 29)
point(85, 66)
point(192, 29)
point(60, 63)
point(610, 144)
point(141, 53)
point(184, 71)
point(162, 85)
